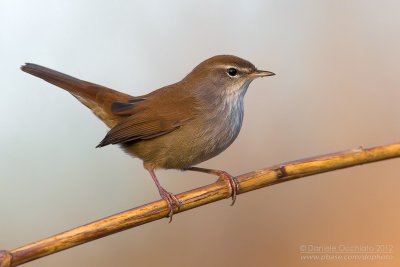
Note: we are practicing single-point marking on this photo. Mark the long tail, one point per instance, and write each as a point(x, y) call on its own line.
point(96, 97)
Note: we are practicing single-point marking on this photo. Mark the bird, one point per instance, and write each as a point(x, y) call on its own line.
point(174, 127)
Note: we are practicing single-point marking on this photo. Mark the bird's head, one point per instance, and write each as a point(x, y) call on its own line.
point(225, 74)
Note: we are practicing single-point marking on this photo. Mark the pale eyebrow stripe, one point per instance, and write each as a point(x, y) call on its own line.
point(234, 66)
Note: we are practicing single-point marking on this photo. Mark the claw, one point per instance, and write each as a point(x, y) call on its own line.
point(231, 181)
point(167, 196)
point(170, 198)
point(232, 184)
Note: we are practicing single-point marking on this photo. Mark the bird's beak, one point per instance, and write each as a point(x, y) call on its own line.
point(262, 73)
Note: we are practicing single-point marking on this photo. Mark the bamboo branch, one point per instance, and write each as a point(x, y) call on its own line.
point(195, 198)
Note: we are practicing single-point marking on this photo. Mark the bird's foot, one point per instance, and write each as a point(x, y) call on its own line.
point(171, 201)
point(232, 183)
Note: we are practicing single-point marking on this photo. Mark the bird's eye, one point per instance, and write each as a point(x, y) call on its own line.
point(232, 72)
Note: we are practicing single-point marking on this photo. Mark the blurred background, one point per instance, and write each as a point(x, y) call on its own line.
point(337, 87)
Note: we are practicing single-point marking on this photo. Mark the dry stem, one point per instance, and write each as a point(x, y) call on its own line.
point(195, 198)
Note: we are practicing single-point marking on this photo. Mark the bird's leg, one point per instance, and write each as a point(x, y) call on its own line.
point(232, 183)
point(167, 196)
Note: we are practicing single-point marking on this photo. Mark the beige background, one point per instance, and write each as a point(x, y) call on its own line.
point(337, 87)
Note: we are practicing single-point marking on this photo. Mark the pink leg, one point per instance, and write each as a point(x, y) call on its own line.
point(170, 198)
point(232, 183)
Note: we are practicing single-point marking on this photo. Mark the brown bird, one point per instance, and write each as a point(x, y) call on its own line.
point(176, 126)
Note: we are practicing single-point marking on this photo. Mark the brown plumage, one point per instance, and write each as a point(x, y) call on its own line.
point(174, 127)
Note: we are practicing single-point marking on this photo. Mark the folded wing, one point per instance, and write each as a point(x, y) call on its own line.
point(155, 114)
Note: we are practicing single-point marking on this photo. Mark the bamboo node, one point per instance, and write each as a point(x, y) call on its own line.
point(5, 258)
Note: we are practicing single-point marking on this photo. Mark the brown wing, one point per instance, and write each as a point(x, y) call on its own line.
point(155, 114)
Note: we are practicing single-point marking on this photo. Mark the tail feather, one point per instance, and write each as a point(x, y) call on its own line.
point(96, 97)
point(50, 75)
